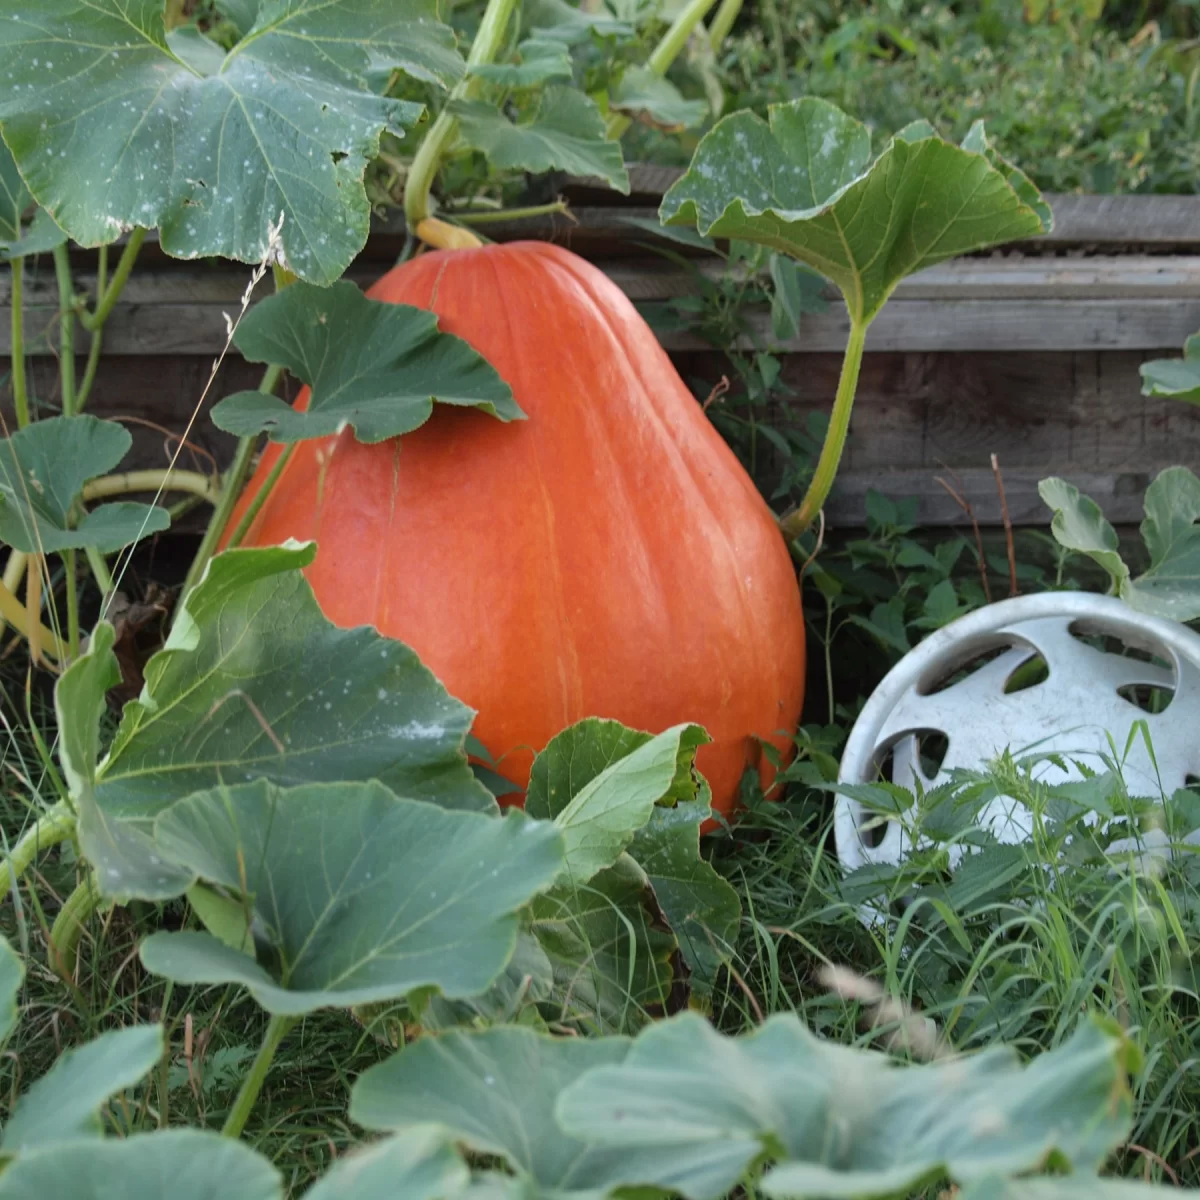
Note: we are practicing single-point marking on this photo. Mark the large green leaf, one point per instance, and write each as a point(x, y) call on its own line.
point(12, 975)
point(64, 1104)
point(43, 468)
point(1175, 377)
point(570, 23)
point(644, 93)
point(600, 815)
point(1069, 1187)
point(611, 789)
point(418, 1164)
point(377, 367)
point(175, 1164)
point(567, 134)
point(115, 123)
point(701, 907)
point(255, 683)
point(356, 895)
point(610, 953)
point(803, 185)
point(846, 1122)
point(18, 238)
point(1170, 586)
point(496, 1091)
point(1072, 1187)
point(540, 60)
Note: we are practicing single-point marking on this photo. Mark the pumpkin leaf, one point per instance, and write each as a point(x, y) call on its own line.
point(18, 238)
point(495, 1092)
point(701, 907)
point(599, 815)
point(570, 23)
point(804, 186)
point(377, 367)
point(115, 123)
point(797, 291)
point(1066, 1187)
point(567, 134)
point(356, 895)
point(644, 94)
point(711, 1105)
point(527, 980)
point(596, 780)
point(540, 59)
point(418, 1164)
point(173, 1164)
point(253, 683)
point(1175, 377)
point(43, 468)
point(64, 1103)
point(12, 976)
point(1170, 586)
point(610, 956)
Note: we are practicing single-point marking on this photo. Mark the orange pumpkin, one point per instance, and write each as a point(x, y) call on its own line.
point(606, 557)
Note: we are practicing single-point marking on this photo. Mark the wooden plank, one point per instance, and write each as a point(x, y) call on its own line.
point(192, 321)
point(1119, 493)
point(1133, 277)
point(1025, 325)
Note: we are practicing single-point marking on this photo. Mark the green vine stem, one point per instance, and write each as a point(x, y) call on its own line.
point(103, 576)
point(231, 488)
point(152, 480)
point(89, 370)
point(68, 926)
point(110, 295)
point(277, 1028)
point(487, 216)
point(441, 135)
point(665, 53)
point(243, 526)
point(796, 522)
point(66, 329)
point(19, 385)
point(71, 585)
point(54, 826)
point(722, 23)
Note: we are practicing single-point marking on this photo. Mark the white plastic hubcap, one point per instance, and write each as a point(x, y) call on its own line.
point(1081, 710)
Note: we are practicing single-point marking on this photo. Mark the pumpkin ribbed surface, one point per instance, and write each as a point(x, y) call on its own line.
point(606, 557)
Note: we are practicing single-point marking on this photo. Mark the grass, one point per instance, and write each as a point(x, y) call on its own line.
point(1016, 956)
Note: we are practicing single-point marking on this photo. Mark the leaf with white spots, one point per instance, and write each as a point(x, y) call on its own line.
point(804, 185)
point(356, 895)
point(23, 228)
point(114, 123)
point(374, 366)
point(255, 683)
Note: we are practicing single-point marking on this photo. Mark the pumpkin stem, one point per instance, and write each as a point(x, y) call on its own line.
point(796, 522)
point(444, 131)
point(441, 235)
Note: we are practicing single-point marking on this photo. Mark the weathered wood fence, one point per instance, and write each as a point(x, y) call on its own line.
point(1031, 354)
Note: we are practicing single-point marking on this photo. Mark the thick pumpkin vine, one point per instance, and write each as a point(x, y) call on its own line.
point(267, 741)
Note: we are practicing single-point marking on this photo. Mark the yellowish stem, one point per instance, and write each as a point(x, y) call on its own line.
point(14, 574)
point(441, 235)
point(152, 481)
point(41, 640)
